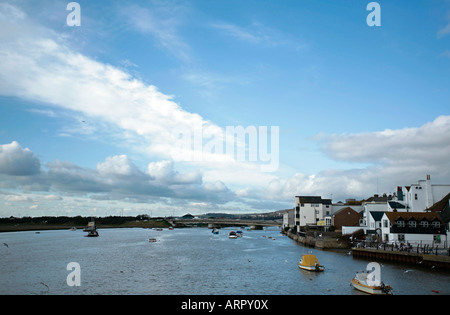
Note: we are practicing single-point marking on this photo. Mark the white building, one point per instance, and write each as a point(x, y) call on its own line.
point(415, 228)
point(419, 197)
point(311, 210)
point(288, 218)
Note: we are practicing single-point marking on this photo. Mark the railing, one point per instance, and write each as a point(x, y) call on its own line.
point(430, 249)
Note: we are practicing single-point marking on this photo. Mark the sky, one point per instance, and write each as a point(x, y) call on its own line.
point(196, 106)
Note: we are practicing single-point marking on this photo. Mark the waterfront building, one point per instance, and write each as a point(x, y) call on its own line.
point(415, 228)
point(345, 217)
point(288, 218)
point(311, 210)
point(421, 196)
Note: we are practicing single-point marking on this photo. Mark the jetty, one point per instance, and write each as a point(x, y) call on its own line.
point(426, 260)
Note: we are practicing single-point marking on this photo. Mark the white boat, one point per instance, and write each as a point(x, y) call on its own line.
point(311, 263)
point(152, 240)
point(232, 234)
point(239, 233)
point(359, 282)
point(215, 231)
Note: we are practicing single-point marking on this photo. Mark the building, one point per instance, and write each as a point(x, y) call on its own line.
point(345, 217)
point(311, 210)
point(288, 218)
point(415, 228)
point(421, 196)
point(375, 203)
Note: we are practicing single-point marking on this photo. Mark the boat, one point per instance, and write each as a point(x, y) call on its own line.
point(311, 263)
point(90, 226)
point(92, 233)
point(152, 240)
point(359, 282)
point(215, 231)
point(92, 229)
point(232, 234)
point(239, 233)
point(73, 228)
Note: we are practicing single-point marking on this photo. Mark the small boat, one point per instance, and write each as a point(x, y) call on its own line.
point(215, 231)
point(311, 263)
point(152, 240)
point(359, 282)
point(92, 233)
point(73, 228)
point(90, 227)
point(232, 234)
point(239, 233)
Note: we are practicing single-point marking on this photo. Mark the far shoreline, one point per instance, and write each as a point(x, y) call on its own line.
point(21, 227)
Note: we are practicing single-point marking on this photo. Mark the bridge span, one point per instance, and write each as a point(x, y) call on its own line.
point(217, 223)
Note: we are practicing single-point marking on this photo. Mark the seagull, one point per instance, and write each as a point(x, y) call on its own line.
point(6, 245)
point(408, 270)
point(45, 285)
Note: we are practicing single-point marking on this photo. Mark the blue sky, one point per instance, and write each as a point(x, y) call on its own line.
point(87, 113)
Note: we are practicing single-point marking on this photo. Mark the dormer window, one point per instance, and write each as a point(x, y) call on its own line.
point(436, 224)
point(400, 223)
point(412, 224)
point(424, 224)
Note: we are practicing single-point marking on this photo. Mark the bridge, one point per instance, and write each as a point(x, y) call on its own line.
point(217, 223)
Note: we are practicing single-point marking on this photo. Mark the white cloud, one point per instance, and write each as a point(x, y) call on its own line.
point(14, 160)
point(428, 144)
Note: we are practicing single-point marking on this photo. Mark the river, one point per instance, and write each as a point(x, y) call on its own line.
point(189, 261)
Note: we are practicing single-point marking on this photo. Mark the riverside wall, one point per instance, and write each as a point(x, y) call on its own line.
point(318, 242)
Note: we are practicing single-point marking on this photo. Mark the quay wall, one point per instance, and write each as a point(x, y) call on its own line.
point(318, 242)
point(426, 260)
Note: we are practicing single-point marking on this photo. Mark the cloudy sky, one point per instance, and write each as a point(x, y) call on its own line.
point(129, 111)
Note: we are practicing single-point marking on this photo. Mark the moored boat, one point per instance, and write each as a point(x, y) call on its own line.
point(359, 282)
point(232, 234)
point(92, 233)
point(215, 231)
point(311, 263)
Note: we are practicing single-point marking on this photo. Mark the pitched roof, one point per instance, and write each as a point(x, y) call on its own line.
point(345, 209)
point(396, 205)
point(441, 204)
point(377, 215)
point(430, 216)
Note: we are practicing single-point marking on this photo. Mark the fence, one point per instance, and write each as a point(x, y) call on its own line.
point(419, 248)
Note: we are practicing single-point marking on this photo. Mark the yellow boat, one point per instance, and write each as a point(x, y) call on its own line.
point(311, 263)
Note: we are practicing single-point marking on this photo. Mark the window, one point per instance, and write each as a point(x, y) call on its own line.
point(401, 237)
point(423, 224)
point(302, 205)
point(415, 196)
point(436, 224)
point(412, 224)
point(400, 223)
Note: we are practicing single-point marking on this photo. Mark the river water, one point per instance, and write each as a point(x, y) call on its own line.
point(188, 262)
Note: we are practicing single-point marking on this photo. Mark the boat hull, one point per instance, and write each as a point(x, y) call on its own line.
point(311, 268)
point(368, 289)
